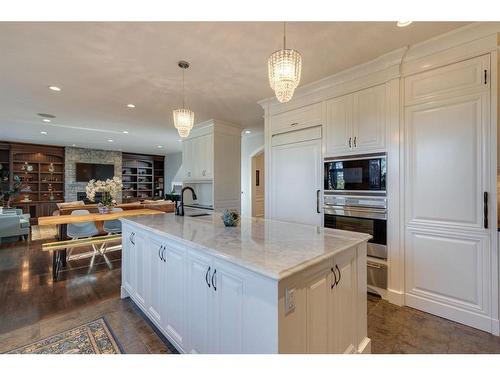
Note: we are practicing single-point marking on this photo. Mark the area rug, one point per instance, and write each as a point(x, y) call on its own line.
point(95, 337)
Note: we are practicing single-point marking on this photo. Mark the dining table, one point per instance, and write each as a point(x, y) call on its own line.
point(62, 221)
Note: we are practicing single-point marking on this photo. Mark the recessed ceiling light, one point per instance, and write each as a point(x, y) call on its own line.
point(125, 132)
point(404, 23)
point(110, 140)
point(46, 120)
point(43, 132)
point(131, 105)
point(247, 131)
point(159, 146)
point(73, 145)
point(179, 140)
point(55, 88)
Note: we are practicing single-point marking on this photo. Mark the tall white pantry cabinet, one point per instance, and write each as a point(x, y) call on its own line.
point(432, 108)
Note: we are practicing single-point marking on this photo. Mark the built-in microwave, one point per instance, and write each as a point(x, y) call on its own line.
point(356, 174)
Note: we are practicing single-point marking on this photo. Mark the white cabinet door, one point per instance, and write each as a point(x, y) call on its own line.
point(368, 119)
point(175, 293)
point(449, 275)
point(447, 261)
point(139, 262)
point(446, 161)
point(127, 269)
point(296, 182)
point(187, 158)
point(338, 133)
point(318, 311)
point(208, 156)
point(228, 323)
point(200, 301)
point(343, 303)
point(156, 280)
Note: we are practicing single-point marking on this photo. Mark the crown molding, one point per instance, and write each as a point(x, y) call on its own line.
point(467, 41)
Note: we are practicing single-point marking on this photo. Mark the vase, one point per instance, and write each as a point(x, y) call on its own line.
point(103, 209)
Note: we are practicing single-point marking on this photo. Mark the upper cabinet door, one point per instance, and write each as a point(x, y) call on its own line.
point(454, 79)
point(206, 156)
point(338, 132)
point(368, 119)
point(187, 158)
point(300, 118)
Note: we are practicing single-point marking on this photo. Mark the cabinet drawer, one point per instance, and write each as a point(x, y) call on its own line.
point(310, 115)
point(440, 82)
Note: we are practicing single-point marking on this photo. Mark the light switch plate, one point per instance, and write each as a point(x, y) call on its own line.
point(289, 300)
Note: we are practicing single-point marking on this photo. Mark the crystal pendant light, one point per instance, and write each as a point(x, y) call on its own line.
point(183, 117)
point(284, 71)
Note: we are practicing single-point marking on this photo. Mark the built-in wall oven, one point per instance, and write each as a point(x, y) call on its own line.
point(355, 200)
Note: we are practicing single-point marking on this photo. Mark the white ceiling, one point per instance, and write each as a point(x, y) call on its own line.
point(102, 67)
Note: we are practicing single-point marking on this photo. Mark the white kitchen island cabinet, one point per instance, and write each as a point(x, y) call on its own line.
point(263, 287)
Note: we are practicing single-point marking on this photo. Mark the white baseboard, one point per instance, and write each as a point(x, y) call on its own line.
point(495, 327)
point(123, 293)
point(456, 314)
point(365, 347)
point(396, 297)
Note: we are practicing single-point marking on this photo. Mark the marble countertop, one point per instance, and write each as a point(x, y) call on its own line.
point(272, 248)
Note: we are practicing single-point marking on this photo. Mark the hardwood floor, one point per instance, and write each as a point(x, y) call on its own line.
point(32, 307)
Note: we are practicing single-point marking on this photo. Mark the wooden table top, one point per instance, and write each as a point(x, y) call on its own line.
point(69, 219)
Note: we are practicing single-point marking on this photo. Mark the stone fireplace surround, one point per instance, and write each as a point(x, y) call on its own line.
point(75, 155)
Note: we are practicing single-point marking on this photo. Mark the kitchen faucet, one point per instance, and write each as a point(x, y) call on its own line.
point(180, 209)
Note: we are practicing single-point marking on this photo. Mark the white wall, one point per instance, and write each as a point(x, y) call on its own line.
point(250, 145)
point(173, 166)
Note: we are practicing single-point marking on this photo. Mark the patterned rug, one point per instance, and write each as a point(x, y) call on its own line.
point(94, 337)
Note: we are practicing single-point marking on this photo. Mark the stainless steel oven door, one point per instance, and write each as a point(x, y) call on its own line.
point(364, 220)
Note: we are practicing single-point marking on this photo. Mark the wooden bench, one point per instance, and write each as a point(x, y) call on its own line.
point(58, 249)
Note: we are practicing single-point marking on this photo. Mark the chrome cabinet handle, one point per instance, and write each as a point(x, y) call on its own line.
point(485, 199)
point(350, 144)
point(294, 124)
point(335, 276)
point(132, 238)
point(373, 265)
point(206, 277)
point(213, 282)
point(340, 275)
point(317, 201)
point(159, 250)
point(355, 142)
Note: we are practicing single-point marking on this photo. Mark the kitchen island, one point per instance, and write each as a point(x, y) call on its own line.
point(262, 287)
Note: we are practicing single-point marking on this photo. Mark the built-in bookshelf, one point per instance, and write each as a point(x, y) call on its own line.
point(41, 172)
point(142, 177)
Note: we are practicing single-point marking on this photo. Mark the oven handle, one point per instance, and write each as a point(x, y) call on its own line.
point(374, 265)
point(317, 201)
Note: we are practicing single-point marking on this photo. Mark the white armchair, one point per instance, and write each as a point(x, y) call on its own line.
point(13, 224)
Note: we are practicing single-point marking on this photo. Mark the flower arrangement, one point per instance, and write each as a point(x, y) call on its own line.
point(109, 189)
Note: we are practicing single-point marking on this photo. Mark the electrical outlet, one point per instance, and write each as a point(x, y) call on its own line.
point(289, 300)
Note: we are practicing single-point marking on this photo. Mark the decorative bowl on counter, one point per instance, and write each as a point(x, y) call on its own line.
point(230, 218)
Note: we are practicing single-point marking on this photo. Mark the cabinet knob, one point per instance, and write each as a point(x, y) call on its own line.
point(294, 124)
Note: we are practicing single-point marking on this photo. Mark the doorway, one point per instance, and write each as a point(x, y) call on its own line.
point(258, 185)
